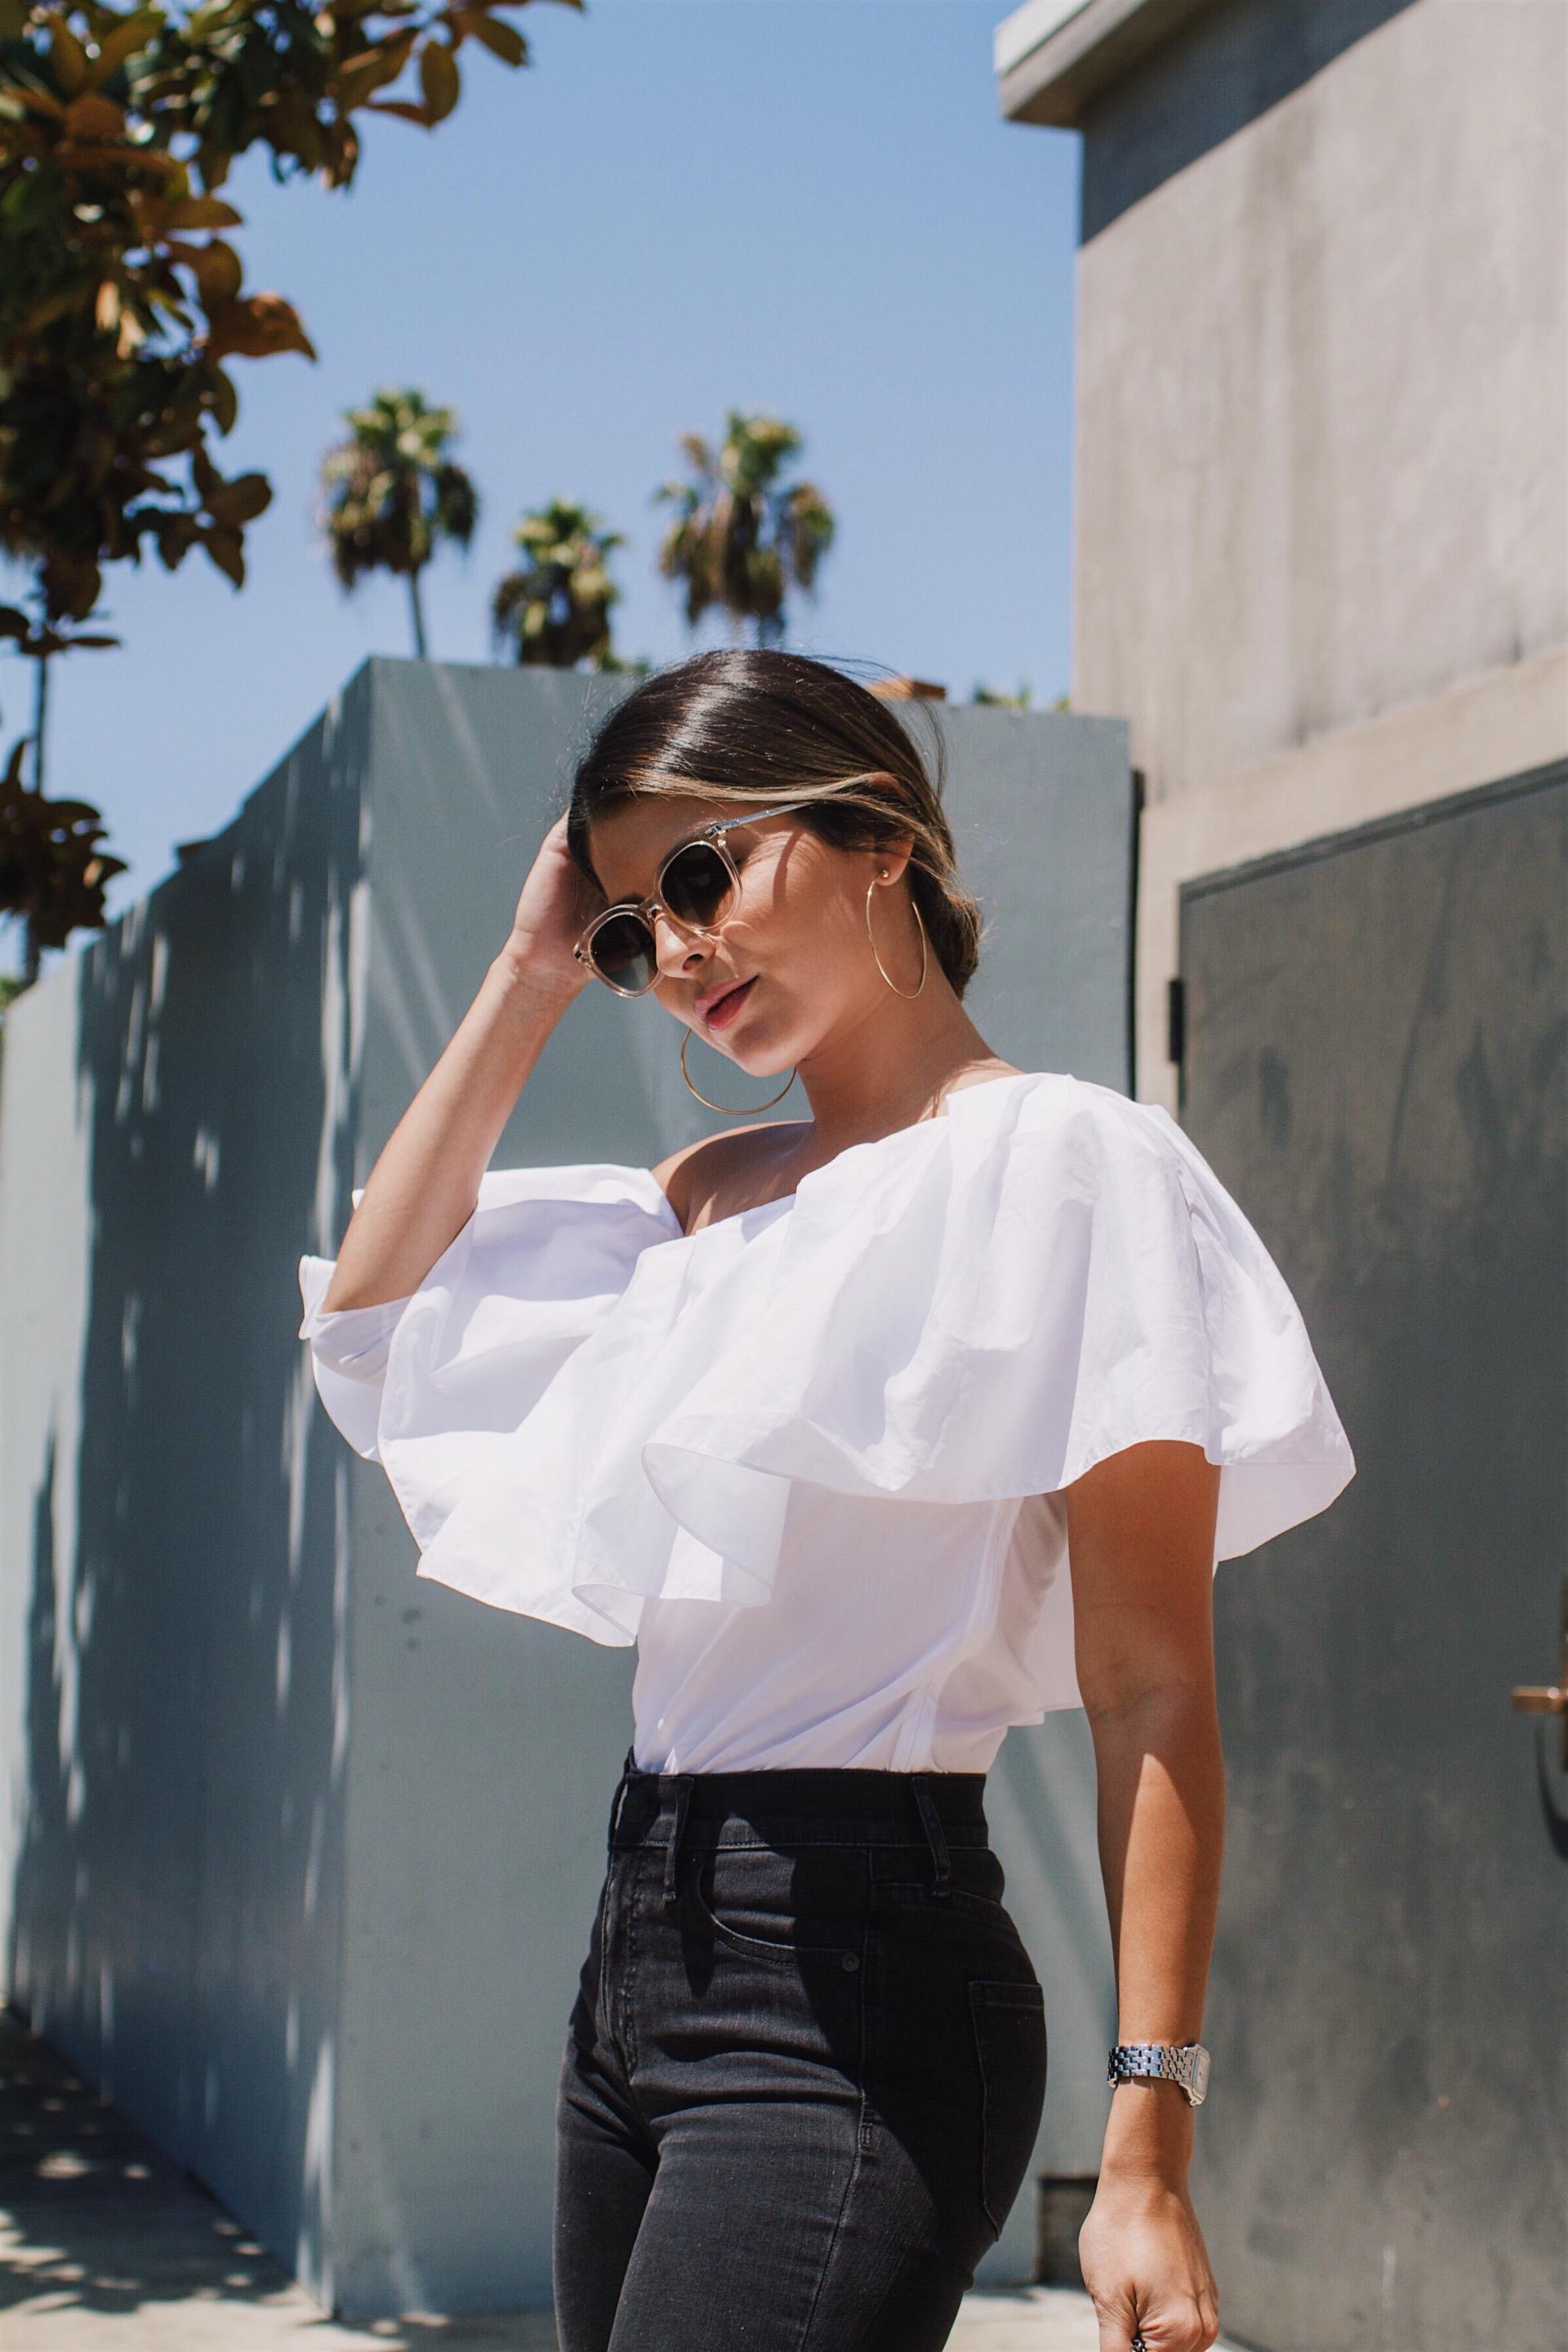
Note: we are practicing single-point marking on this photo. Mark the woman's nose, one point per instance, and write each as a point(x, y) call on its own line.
point(677, 949)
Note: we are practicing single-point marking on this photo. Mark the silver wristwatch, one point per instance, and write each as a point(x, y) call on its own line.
point(1187, 2063)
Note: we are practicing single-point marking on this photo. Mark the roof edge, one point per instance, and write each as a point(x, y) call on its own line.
point(1051, 57)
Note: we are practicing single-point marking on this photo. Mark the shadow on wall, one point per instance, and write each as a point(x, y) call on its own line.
point(1218, 75)
point(174, 1899)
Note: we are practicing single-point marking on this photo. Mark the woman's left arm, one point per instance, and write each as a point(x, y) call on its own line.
point(1141, 1535)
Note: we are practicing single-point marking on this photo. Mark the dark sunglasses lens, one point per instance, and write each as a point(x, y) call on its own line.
point(624, 952)
point(696, 885)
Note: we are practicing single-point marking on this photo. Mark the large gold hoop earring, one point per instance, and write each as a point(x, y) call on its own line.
point(732, 1110)
point(881, 876)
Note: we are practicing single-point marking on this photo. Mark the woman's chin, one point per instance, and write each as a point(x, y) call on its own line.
point(760, 1061)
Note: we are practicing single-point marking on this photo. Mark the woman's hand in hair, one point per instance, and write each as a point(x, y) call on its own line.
point(556, 901)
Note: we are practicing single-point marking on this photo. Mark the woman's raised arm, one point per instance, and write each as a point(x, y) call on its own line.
point(424, 1185)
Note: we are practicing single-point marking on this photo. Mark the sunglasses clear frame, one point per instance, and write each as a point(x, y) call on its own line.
point(710, 836)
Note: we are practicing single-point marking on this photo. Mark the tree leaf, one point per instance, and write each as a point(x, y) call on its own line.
point(256, 327)
point(41, 101)
point(502, 40)
point(68, 57)
point(116, 46)
point(90, 117)
point(372, 69)
point(225, 548)
point(241, 500)
point(439, 79)
point(217, 272)
point(81, 155)
point(202, 212)
point(224, 400)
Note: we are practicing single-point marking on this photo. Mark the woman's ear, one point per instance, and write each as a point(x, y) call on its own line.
point(892, 857)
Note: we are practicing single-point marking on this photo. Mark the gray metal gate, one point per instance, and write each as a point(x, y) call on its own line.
point(1376, 1063)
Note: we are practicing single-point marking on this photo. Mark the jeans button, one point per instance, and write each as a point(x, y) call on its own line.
point(849, 1963)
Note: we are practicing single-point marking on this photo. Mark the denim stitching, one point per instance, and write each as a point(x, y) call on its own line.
point(862, 2144)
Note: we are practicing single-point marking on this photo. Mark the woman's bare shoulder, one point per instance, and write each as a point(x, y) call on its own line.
point(720, 1173)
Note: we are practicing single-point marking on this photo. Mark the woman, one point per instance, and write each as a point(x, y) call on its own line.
point(876, 1432)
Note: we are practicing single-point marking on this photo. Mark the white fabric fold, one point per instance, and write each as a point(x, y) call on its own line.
point(582, 1410)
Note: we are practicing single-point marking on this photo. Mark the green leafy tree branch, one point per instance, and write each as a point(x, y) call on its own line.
point(122, 298)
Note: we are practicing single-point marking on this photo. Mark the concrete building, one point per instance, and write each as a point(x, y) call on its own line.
point(1321, 468)
point(1322, 569)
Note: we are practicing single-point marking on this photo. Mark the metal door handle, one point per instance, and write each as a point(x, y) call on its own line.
point(1532, 1698)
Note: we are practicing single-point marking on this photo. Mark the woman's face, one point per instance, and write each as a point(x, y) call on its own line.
point(794, 933)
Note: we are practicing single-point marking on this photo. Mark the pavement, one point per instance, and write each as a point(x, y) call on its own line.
point(107, 2245)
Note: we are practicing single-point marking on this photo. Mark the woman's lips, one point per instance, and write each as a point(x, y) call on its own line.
point(725, 1012)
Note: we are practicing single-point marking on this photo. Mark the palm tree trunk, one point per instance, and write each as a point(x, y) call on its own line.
point(417, 610)
point(32, 952)
point(40, 716)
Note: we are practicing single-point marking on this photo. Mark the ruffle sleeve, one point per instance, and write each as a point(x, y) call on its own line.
point(1061, 1277)
point(433, 1385)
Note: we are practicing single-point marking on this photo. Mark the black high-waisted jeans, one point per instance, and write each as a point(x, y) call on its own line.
point(804, 2070)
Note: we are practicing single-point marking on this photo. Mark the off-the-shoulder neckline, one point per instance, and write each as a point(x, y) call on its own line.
point(872, 1143)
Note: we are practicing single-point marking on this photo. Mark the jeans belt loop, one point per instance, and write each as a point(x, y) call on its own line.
point(617, 1804)
point(672, 1851)
point(941, 1875)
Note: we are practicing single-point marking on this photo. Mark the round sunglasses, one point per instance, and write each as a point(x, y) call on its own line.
point(695, 887)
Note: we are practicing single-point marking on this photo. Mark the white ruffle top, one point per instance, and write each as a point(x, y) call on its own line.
point(810, 1458)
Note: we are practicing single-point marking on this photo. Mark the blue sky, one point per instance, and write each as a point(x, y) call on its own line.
point(808, 207)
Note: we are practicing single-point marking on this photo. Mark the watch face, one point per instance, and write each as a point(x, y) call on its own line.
point(1200, 2074)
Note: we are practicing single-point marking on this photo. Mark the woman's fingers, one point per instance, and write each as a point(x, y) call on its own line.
point(1134, 2322)
point(556, 902)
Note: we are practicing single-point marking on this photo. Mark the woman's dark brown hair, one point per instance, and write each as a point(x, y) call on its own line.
point(743, 724)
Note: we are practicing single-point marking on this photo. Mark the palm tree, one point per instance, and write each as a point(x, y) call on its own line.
point(390, 492)
point(555, 612)
point(741, 536)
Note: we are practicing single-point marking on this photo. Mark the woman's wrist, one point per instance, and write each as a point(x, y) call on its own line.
point(522, 979)
point(1149, 2133)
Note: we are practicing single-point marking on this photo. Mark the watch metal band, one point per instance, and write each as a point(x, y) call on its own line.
point(1187, 2063)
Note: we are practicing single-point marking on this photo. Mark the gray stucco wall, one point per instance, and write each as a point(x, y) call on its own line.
point(297, 1857)
point(1322, 372)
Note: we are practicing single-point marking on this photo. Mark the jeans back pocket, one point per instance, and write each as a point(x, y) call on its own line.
point(1009, 2019)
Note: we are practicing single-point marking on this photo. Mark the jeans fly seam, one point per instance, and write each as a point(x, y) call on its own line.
point(627, 2036)
point(604, 1991)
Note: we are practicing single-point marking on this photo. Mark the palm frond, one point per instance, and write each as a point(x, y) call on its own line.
point(742, 537)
